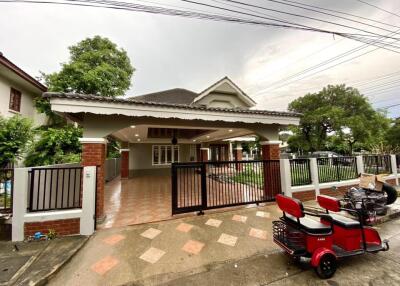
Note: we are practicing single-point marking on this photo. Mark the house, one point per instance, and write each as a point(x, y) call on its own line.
point(175, 125)
point(18, 91)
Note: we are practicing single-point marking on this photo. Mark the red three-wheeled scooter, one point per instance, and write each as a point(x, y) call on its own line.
point(324, 240)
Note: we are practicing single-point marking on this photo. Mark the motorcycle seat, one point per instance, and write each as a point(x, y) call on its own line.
point(342, 221)
point(309, 225)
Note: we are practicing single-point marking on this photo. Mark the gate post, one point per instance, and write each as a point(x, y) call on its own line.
point(94, 154)
point(174, 188)
point(270, 151)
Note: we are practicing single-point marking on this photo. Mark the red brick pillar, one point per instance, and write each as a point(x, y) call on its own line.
point(124, 163)
point(272, 177)
point(238, 155)
point(204, 154)
point(94, 154)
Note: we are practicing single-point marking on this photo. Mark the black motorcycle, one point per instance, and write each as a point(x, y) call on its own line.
point(370, 203)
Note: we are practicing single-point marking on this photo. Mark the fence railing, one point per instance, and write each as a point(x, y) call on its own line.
point(208, 185)
point(300, 172)
point(112, 169)
point(377, 164)
point(337, 169)
point(54, 188)
point(6, 190)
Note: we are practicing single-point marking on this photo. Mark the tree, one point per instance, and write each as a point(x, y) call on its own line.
point(96, 66)
point(393, 135)
point(15, 135)
point(337, 117)
point(56, 146)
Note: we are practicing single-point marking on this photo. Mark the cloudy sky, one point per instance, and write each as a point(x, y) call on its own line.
point(170, 52)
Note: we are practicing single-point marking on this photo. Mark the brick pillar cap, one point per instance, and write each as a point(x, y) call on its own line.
point(123, 150)
point(275, 142)
point(86, 140)
point(204, 148)
point(240, 148)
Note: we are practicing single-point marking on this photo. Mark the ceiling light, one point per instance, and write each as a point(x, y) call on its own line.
point(138, 139)
point(230, 130)
point(133, 126)
point(136, 135)
point(208, 136)
point(194, 140)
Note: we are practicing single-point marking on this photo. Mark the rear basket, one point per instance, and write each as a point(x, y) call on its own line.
point(289, 238)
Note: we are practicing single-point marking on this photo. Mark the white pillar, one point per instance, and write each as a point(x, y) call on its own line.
point(394, 168)
point(88, 200)
point(286, 177)
point(314, 175)
point(20, 201)
point(360, 165)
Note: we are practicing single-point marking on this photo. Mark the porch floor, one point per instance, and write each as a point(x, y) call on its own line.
point(137, 200)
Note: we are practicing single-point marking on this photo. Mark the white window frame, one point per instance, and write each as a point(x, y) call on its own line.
point(163, 161)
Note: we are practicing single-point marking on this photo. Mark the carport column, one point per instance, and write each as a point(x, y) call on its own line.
point(360, 164)
point(94, 154)
point(204, 154)
point(124, 162)
point(394, 168)
point(238, 153)
point(272, 176)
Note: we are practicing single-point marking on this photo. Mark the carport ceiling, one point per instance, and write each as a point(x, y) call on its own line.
point(178, 133)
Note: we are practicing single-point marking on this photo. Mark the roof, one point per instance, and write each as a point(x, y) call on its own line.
point(17, 70)
point(97, 98)
point(175, 96)
point(226, 79)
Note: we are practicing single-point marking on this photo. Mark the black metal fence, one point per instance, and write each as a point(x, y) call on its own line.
point(300, 172)
point(377, 164)
point(6, 190)
point(398, 163)
point(54, 188)
point(208, 185)
point(337, 169)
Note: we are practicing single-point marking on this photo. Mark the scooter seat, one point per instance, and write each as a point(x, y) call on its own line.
point(309, 225)
point(343, 221)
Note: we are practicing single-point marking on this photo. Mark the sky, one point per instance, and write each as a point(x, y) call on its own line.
point(169, 52)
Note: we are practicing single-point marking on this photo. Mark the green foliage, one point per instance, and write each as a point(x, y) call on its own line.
point(52, 234)
point(337, 118)
point(96, 66)
point(393, 135)
point(56, 146)
point(43, 106)
point(15, 135)
point(113, 148)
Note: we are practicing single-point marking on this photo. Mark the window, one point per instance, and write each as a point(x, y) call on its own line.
point(15, 100)
point(165, 154)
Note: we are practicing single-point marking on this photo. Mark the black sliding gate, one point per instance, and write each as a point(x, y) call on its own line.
point(200, 186)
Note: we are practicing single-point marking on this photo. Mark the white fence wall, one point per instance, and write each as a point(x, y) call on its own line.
point(112, 169)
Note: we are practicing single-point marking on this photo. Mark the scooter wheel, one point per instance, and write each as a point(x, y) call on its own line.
point(327, 266)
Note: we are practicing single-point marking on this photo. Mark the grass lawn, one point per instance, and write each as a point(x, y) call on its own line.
point(249, 177)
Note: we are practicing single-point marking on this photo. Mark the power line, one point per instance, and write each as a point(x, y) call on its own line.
point(299, 15)
point(379, 8)
point(344, 13)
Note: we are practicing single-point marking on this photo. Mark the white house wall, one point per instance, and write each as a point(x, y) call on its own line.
point(27, 103)
point(222, 101)
point(140, 159)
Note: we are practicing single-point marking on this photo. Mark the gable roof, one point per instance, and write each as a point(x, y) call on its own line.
point(174, 96)
point(22, 74)
point(250, 102)
point(188, 97)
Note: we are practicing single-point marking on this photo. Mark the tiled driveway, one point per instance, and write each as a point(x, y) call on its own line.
point(137, 200)
point(157, 252)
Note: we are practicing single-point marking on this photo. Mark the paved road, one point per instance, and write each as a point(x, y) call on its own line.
point(278, 269)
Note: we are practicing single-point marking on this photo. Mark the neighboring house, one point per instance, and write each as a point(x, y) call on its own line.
point(18, 91)
point(175, 125)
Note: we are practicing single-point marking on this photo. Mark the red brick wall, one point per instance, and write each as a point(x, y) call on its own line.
point(62, 227)
point(304, 195)
point(339, 192)
point(94, 154)
point(203, 155)
point(124, 164)
point(238, 154)
point(271, 152)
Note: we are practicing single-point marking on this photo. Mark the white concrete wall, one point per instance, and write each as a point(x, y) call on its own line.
point(27, 103)
point(20, 214)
